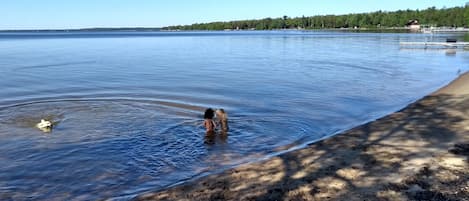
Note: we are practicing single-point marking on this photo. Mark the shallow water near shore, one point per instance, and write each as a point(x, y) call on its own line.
point(128, 106)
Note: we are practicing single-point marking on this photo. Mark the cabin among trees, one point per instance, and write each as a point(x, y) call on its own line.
point(413, 24)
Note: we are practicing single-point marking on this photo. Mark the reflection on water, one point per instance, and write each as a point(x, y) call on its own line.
point(127, 108)
point(212, 137)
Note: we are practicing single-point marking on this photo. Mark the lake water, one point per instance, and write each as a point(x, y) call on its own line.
point(128, 106)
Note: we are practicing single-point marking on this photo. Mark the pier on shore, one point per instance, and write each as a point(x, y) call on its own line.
point(464, 45)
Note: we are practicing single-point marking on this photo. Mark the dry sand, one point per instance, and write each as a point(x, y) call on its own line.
point(418, 153)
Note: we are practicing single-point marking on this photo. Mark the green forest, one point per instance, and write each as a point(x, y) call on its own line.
point(450, 17)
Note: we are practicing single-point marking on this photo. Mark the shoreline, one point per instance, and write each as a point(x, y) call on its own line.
point(417, 153)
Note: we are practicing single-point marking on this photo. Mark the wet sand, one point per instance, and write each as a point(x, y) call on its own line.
point(418, 153)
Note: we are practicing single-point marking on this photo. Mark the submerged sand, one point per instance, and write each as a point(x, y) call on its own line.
point(418, 153)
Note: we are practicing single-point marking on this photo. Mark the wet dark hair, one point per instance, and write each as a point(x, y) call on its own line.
point(208, 113)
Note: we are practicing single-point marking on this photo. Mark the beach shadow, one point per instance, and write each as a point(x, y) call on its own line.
point(370, 158)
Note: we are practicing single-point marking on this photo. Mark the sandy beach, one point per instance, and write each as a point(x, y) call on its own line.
point(418, 153)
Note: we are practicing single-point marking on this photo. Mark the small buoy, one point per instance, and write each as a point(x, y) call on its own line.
point(44, 125)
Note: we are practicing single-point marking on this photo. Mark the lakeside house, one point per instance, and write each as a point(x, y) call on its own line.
point(413, 24)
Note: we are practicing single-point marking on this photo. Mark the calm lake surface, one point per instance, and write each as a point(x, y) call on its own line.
point(129, 105)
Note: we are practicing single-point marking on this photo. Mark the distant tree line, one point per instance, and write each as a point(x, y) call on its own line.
point(453, 17)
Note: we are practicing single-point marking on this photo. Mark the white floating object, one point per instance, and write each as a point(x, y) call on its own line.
point(44, 125)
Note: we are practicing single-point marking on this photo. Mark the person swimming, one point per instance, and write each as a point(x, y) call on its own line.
point(222, 118)
point(208, 120)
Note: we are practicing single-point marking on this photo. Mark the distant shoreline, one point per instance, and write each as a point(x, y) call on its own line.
point(82, 30)
point(362, 30)
point(387, 30)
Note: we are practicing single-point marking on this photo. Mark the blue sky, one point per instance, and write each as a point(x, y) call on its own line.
point(62, 14)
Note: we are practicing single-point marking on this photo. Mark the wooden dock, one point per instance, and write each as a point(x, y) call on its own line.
point(436, 44)
point(447, 30)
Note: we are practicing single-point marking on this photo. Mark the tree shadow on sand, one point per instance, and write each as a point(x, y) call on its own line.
point(408, 155)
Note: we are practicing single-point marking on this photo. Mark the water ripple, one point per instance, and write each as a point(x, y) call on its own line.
point(46, 67)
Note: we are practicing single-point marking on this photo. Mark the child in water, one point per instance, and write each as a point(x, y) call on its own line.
point(208, 120)
point(222, 119)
